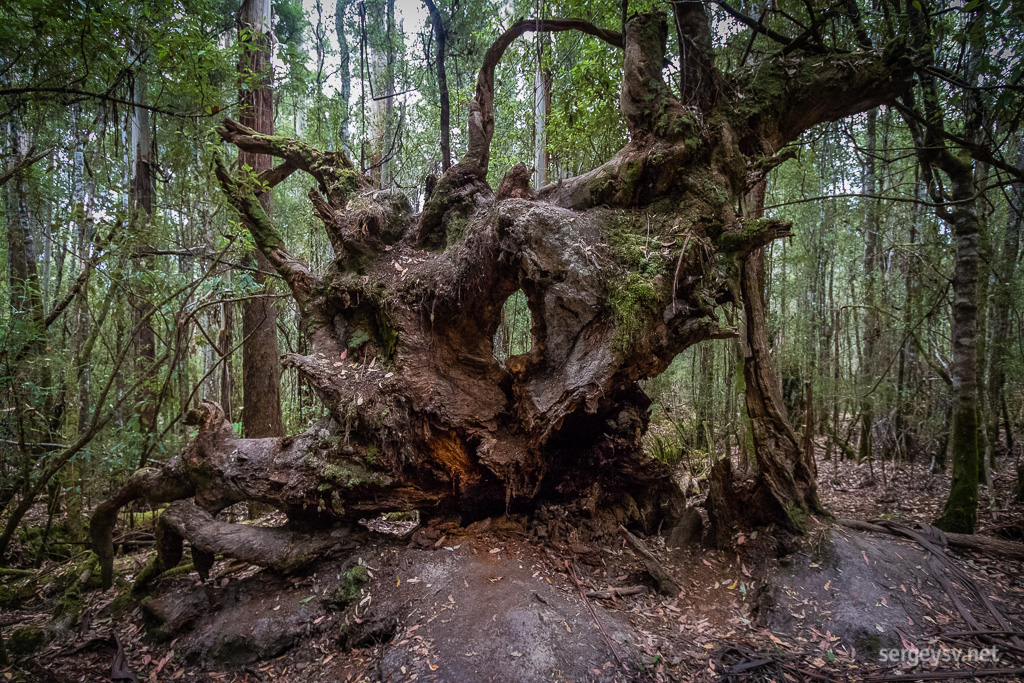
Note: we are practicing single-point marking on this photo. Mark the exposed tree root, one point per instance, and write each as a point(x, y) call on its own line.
point(280, 548)
point(154, 485)
point(666, 584)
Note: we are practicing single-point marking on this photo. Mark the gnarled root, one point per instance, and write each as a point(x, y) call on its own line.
point(280, 548)
point(152, 484)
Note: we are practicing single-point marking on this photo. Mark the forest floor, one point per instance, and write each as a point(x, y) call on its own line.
point(505, 600)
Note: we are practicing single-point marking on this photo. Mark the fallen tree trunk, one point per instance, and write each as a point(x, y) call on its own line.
point(622, 268)
point(981, 544)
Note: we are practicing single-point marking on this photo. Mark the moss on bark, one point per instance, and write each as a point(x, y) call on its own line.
point(960, 514)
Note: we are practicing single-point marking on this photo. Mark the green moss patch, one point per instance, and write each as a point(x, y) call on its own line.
point(26, 640)
point(634, 301)
point(351, 586)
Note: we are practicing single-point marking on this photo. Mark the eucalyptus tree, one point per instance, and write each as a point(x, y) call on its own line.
point(261, 369)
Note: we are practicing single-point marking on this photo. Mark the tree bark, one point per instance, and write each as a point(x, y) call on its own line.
point(961, 508)
point(437, 23)
point(872, 331)
point(144, 340)
point(345, 74)
point(261, 367)
point(26, 294)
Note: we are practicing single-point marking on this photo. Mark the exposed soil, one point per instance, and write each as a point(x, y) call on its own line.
point(498, 601)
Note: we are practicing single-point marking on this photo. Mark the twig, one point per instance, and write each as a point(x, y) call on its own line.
point(593, 613)
point(614, 592)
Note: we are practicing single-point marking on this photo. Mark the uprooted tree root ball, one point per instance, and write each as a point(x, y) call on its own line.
point(401, 324)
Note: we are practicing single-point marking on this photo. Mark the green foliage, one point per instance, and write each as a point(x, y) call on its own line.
point(350, 588)
point(515, 332)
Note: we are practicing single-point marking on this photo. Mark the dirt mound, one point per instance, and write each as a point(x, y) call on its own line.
point(236, 622)
point(484, 603)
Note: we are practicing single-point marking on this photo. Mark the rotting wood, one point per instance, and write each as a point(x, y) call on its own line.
point(666, 584)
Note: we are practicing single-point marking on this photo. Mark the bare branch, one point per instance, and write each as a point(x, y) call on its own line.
point(21, 164)
point(298, 276)
point(754, 24)
point(481, 109)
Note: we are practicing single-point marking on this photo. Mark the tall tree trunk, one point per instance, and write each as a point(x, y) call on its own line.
point(961, 509)
point(77, 373)
point(344, 70)
point(541, 104)
point(146, 405)
point(872, 330)
point(437, 23)
point(225, 343)
point(705, 401)
point(261, 366)
point(786, 477)
point(26, 293)
point(907, 371)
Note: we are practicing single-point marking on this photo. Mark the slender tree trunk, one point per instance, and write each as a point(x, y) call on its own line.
point(786, 480)
point(344, 71)
point(77, 374)
point(1002, 300)
point(26, 293)
point(705, 401)
point(437, 22)
point(986, 456)
point(225, 342)
point(146, 405)
point(961, 510)
point(261, 366)
point(872, 331)
point(541, 104)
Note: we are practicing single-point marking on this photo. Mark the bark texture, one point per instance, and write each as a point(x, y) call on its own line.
point(623, 268)
point(261, 369)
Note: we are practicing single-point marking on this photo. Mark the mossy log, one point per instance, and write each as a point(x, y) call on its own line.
point(623, 268)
